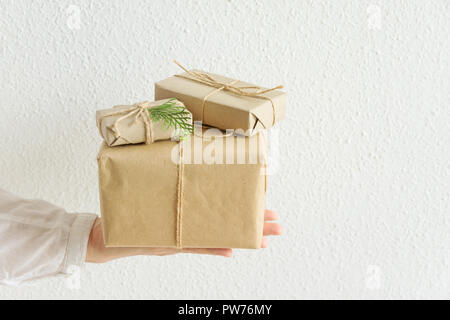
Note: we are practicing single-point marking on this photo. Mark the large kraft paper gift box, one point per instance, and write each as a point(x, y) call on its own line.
point(224, 102)
point(213, 198)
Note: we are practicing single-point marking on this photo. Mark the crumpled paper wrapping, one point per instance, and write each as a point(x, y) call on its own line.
point(131, 131)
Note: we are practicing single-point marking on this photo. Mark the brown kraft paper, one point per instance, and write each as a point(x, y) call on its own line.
point(149, 200)
point(132, 130)
point(224, 109)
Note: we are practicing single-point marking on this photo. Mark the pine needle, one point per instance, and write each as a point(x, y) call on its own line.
point(173, 116)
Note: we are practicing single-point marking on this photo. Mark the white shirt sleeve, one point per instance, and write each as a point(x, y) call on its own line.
point(38, 239)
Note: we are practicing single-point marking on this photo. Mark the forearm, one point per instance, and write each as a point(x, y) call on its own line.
point(38, 239)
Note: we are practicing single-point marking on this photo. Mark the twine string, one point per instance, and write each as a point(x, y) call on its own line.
point(139, 111)
point(180, 194)
point(246, 91)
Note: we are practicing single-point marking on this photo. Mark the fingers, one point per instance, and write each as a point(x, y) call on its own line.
point(270, 215)
point(272, 229)
point(265, 242)
point(213, 252)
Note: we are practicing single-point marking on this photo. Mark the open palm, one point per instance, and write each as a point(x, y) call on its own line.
point(97, 253)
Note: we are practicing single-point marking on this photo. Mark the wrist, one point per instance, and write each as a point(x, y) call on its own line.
point(95, 247)
point(97, 252)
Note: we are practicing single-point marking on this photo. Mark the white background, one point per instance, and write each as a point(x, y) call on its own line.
point(363, 179)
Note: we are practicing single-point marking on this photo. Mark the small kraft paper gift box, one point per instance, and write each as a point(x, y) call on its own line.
point(201, 192)
point(223, 102)
point(144, 122)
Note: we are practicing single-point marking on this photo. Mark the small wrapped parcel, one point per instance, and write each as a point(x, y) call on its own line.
point(142, 122)
point(223, 102)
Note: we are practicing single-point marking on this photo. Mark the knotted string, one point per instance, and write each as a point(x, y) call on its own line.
point(246, 91)
point(139, 111)
point(180, 192)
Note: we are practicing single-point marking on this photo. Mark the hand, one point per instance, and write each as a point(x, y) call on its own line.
point(97, 253)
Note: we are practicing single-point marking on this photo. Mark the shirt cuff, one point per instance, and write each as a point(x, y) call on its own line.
point(77, 242)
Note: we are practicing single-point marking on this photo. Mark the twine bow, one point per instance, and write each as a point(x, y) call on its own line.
point(139, 111)
point(246, 91)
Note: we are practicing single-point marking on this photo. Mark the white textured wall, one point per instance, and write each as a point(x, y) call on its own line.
point(363, 186)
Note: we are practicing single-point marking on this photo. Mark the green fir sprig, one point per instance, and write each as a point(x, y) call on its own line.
point(173, 116)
